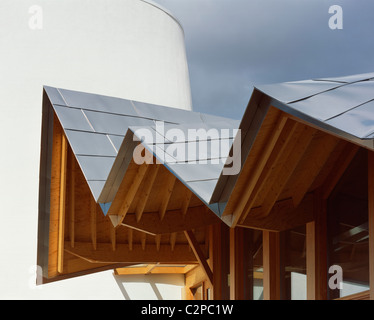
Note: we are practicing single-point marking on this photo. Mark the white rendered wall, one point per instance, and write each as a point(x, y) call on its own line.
point(152, 286)
point(123, 48)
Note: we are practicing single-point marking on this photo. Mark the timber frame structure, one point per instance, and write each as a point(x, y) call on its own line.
point(302, 201)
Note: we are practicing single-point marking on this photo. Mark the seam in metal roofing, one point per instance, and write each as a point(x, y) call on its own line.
point(341, 105)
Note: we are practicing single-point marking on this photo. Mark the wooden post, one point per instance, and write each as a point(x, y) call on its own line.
point(271, 265)
point(61, 222)
point(72, 199)
point(371, 221)
point(221, 261)
point(241, 264)
point(55, 203)
point(316, 251)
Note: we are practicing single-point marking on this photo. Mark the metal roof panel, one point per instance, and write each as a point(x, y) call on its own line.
point(90, 144)
point(358, 121)
point(98, 102)
point(293, 91)
point(196, 172)
point(166, 114)
point(203, 189)
point(54, 96)
point(351, 78)
point(95, 168)
point(113, 123)
point(72, 118)
point(332, 103)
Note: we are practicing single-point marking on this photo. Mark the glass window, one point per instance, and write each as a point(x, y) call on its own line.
point(258, 287)
point(348, 230)
point(293, 267)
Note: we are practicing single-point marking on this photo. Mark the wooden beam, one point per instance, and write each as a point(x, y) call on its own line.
point(210, 232)
point(283, 216)
point(146, 191)
point(143, 240)
point(316, 251)
point(130, 271)
point(129, 226)
point(77, 267)
point(365, 295)
point(342, 164)
point(93, 214)
point(284, 174)
point(55, 199)
point(255, 174)
point(241, 264)
point(271, 265)
point(150, 268)
point(105, 254)
point(186, 202)
point(268, 167)
point(169, 187)
point(320, 155)
point(155, 269)
point(371, 220)
point(72, 200)
point(158, 241)
point(142, 169)
point(173, 238)
point(130, 237)
point(199, 254)
point(174, 221)
point(61, 223)
point(112, 231)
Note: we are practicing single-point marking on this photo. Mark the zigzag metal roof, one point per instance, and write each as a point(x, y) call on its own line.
point(344, 105)
point(101, 130)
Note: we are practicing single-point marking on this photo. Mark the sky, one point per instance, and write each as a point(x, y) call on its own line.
point(234, 45)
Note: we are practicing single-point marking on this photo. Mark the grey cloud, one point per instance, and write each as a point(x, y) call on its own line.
point(234, 44)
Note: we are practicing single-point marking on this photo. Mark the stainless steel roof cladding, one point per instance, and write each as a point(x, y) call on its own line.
point(101, 131)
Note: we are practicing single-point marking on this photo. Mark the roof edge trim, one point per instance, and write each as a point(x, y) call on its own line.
point(156, 5)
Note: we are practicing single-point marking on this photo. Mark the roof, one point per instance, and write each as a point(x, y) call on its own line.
point(293, 137)
point(102, 132)
point(343, 105)
point(340, 106)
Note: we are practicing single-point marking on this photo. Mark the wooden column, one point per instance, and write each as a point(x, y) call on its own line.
point(55, 245)
point(272, 267)
point(221, 261)
point(316, 251)
point(72, 200)
point(371, 221)
point(241, 264)
point(62, 198)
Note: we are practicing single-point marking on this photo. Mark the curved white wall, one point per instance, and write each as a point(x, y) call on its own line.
point(125, 48)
